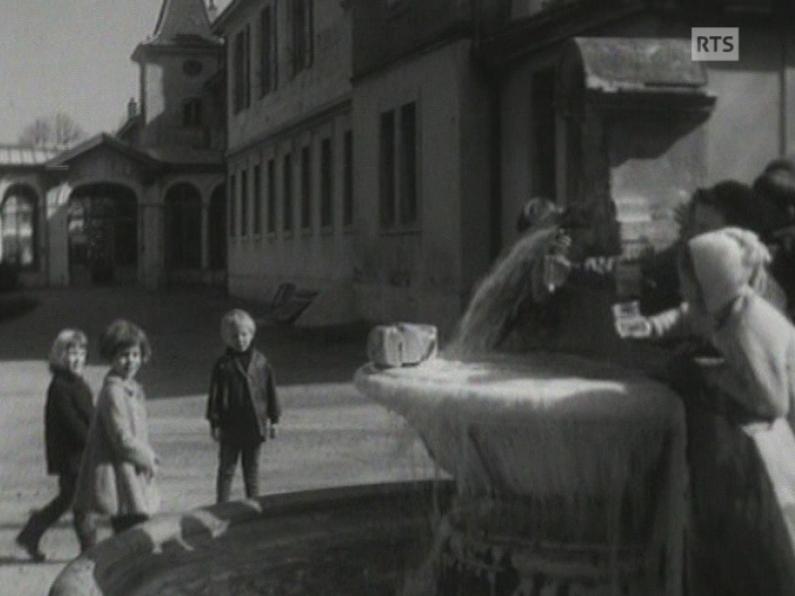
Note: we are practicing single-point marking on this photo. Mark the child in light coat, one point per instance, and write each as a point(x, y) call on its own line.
point(756, 341)
point(117, 475)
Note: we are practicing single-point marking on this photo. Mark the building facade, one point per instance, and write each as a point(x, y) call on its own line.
point(378, 151)
point(145, 205)
point(424, 141)
point(290, 151)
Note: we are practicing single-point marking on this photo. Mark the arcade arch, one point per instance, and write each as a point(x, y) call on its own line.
point(19, 226)
point(102, 223)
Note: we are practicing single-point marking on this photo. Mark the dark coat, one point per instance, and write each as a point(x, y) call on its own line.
point(67, 417)
point(242, 401)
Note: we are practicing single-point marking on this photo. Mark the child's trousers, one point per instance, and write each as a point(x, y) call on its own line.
point(228, 455)
point(44, 518)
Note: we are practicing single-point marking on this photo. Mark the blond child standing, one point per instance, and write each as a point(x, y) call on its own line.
point(242, 401)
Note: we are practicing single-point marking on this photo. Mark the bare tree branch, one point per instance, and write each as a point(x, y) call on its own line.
point(57, 130)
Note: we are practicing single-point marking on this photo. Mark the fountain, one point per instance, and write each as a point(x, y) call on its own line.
point(570, 472)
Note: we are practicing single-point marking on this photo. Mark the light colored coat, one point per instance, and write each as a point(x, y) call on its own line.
point(756, 339)
point(116, 473)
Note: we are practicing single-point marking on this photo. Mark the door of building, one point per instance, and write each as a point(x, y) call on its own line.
point(103, 235)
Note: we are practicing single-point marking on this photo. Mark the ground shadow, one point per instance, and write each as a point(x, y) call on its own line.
point(15, 305)
point(183, 326)
point(21, 560)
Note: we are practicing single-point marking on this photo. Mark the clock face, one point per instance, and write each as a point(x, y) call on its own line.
point(192, 68)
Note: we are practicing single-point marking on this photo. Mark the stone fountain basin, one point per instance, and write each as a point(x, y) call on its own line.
point(539, 424)
point(352, 540)
point(554, 453)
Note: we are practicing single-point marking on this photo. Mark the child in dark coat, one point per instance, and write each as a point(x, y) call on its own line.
point(241, 403)
point(68, 415)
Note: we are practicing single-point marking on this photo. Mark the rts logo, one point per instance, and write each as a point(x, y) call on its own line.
point(715, 44)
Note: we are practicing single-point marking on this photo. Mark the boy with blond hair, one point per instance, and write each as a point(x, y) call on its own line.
point(242, 402)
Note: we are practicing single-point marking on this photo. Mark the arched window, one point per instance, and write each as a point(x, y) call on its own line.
point(183, 227)
point(18, 217)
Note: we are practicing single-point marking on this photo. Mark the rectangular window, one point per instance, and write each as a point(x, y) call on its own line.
point(247, 75)
point(387, 169)
point(244, 203)
point(232, 206)
point(238, 70)
point(302, 34)
point(306, 188)
point(408, 164)
point(543, 125)
point(347, 180)
point(268, 74)
point(287, 197)
point(241, 57)
point(326, 184)
point(271, 196)
point(398, 168)
point(257, 217)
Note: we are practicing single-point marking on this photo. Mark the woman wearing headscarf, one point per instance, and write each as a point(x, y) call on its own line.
point(736, 404)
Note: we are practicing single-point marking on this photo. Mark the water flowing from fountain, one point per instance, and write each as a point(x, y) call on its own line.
point(495, 306)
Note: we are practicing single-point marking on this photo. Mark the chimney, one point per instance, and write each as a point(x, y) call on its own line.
point(212, 11)
point(132, 108)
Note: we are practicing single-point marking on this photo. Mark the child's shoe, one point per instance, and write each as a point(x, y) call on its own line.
point(30, 547)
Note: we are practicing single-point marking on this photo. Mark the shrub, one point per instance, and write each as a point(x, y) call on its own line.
point(9, 277)
point(102, 272)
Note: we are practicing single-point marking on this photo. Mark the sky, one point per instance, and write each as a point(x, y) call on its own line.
point(71, 56)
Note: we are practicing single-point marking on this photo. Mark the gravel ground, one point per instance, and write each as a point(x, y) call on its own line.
point(330, 435)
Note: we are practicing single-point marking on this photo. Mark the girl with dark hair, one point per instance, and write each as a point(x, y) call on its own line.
point(117, 476)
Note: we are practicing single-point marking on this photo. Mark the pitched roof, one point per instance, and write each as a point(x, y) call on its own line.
point(97, 141)
point(18, 155)
point(220, 20)
point(181, 22)
point(153, 157)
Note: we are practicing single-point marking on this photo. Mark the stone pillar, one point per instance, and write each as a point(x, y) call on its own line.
point(150, 268)
point(57, 203)
point(205, 223)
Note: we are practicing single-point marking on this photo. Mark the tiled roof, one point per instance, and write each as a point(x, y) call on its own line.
point(182, 21)
point(17, 155)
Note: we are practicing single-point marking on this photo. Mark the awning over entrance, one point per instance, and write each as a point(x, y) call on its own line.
point(649, 72)
point(613, 64)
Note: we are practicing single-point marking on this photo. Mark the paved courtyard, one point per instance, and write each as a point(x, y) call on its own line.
point(329, 435)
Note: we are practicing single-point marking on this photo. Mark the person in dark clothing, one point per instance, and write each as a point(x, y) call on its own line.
point(242, 402)
point(68, 414)
point(774, 190)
